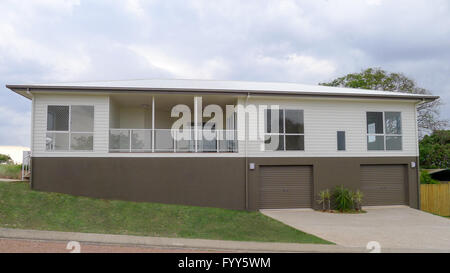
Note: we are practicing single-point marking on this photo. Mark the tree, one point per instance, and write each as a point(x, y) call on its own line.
point(5, 159)
point(435, 150)
point(377, 79)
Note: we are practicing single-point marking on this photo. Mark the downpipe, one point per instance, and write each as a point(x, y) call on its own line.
point(246, 153)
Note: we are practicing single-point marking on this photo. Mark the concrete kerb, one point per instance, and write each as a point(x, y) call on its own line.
point(180, 243)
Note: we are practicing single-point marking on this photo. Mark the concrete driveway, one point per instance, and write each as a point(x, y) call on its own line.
point(395, 228)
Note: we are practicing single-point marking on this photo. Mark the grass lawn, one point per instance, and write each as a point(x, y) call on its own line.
point(22, 208)
point(10, 171)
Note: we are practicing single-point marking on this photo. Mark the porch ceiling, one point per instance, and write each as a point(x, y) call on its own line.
point(166, 102)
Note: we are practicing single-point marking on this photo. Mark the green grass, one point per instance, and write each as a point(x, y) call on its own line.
point(22, 208)
point(10, 171)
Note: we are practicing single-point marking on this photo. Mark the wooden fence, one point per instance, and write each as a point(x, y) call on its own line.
point(435, 198)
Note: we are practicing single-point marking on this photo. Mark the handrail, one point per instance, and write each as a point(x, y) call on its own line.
point(166, 140)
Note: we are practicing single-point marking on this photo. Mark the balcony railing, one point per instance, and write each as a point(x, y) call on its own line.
point(167, 140)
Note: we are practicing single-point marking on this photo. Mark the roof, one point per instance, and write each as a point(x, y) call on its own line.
point(213, 86)
point(440, 174)
point(431, 171)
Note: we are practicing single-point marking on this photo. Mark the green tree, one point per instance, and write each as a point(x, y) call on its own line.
point(5, 159)
point(425, 178)
point(435, 150)
point(377, 79)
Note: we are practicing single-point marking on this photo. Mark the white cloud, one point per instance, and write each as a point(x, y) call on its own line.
point(298, 66)
point(206, 69)
point(27, 13)
point(134, 7)
point(61, 64)
point(374, 2)
point(14, 127)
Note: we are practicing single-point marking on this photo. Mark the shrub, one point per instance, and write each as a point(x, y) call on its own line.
point(357, 199)
point(10, 171)
point(425, 178)
point(343, 198)
point(5, 159)
point(324, 198)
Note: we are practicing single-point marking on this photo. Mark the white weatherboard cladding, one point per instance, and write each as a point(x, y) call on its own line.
point(324, 117)
point(101, 122)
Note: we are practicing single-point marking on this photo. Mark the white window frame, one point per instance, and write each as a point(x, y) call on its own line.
point(69, 132)
point(284, 134)
point(384, 134)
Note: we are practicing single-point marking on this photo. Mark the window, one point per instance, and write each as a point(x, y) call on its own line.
point(341, 140)
point(284, 130)
point(384, 131)
point(70, 128)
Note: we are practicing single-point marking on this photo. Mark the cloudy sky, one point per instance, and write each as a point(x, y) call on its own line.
point(295, 41)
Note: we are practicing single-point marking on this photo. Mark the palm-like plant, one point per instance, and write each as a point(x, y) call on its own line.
point(322, 199)
point(352, 199)
point(325, 198)
point(342, 197)
point(328, 198)
point(358, 197)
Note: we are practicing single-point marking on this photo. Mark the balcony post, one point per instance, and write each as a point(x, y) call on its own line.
point(197, 119)
point(129, 135)
point(153, 124)
point(217, 140)
point(174, 140)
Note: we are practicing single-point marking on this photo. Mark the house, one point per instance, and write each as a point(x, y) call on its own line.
point(243, 145)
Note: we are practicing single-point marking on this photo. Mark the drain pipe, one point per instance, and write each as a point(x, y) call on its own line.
point(418, 153)
point(246, 153)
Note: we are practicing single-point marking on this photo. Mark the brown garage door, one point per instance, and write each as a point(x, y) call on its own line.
point(285, 187)
point(383, 184)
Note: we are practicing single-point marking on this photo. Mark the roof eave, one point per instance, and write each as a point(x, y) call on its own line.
point(24, 88)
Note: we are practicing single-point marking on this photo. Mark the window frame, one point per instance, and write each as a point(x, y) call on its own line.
point(284, 134)
point(384, 134)
point(337, 141)
point(69, 131)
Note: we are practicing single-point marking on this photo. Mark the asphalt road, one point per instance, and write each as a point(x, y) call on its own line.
point(32, 246)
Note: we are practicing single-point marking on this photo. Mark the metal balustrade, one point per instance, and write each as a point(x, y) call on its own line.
point(168, 140)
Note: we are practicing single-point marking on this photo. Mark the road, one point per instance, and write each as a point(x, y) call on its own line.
point(32, 246)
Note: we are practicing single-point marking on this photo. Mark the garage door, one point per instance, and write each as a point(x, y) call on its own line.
point(285, 187)
point(383, 184)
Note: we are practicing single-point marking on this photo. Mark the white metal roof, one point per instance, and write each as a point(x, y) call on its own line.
point(219, 86)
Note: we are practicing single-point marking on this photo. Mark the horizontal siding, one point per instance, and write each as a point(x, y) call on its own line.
point(101, 121)
point(324, 117)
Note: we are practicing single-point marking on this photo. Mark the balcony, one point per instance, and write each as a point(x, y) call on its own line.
point(140, 123)
point(167, 141)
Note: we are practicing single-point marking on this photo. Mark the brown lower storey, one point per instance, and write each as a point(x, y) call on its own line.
point(213, 181)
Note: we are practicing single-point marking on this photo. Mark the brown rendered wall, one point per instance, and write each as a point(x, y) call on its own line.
point(200, 181)
point(329, 172)
point(213, 182)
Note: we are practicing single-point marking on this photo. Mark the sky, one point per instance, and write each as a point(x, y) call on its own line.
point(43, 41)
